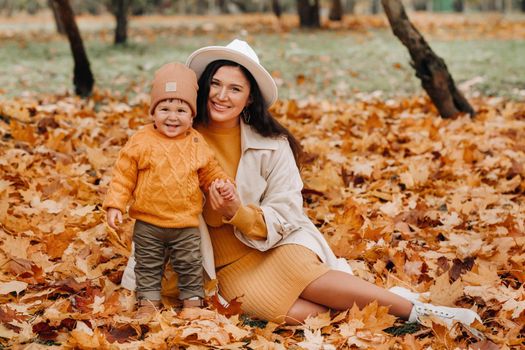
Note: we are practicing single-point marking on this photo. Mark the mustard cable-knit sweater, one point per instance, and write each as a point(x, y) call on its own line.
point(162, 177)
point(249, 218)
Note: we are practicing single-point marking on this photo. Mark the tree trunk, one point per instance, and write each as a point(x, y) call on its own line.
point(202, 7)
point(82, 76)
point(336, 11)
point(350, 6)
point(374, 7)
point(120, 9)
point(276, 8)
point(458, 5)
point(308, 11)
point(430, 68)
point(56, 16)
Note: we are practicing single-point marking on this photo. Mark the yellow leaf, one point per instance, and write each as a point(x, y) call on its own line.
point(16, 247)
point(486, 275)
point(23, 132)
point(317, 322)
point(98, 159)
point(12, 286)
point(444, 293)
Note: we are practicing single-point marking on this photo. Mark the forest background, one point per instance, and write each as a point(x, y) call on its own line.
point(408, 197)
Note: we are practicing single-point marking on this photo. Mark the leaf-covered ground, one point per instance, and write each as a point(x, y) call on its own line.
point(408, 198)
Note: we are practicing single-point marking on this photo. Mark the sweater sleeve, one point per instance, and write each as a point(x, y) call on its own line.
point(124, 178)
point(211, 170)
point(250, 221)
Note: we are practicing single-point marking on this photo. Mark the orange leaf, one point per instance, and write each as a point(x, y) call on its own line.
point(7, 315)
point(56, 244)
point(25, 270)
point(23, 132)
point(233, 308)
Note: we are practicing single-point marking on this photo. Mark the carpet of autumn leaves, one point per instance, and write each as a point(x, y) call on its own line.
point(408, 198)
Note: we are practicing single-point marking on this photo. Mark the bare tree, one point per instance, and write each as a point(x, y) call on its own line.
point(56, 16)
point(350, 6)
point(458, 5)
point(201, 7)
point(276, 8)
point(308, 11)
point(374, 7)
point(336, 11)
point(431, 69)
point(82, 76)
point(120, 9)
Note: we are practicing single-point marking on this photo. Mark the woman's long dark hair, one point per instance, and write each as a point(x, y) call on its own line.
point(260, 118)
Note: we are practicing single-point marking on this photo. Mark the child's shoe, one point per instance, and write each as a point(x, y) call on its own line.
point(192, 302)
point(147, 308)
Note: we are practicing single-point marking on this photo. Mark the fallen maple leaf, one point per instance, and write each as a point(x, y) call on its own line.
point(318, 321)
point(314, 341)
point(7, 315)
point(12, 286)
point(122, 334)
point(233, 307)
point(444, 293)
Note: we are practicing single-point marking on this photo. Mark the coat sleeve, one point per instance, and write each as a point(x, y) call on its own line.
point(282, 201)
point(124, 178)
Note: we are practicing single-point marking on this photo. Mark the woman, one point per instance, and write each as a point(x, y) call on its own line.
point(266, 251)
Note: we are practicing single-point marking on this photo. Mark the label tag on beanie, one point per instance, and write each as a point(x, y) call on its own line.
point(171, 86)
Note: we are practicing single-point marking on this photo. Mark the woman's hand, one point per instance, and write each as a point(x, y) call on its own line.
point(224, 198)
point(113, 215)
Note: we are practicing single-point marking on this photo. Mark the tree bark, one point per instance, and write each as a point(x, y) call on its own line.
point(430, 69)
point(350, 6)
point(308, 11)
point(201, 7)
point(458, 5)
point(120, 9)
point(374, 7)
point(56, 16)
point(336, 11)
point(82, 76)
point(276, 8)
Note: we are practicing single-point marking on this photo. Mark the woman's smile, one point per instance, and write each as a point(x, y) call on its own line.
point(229, 94)
point(219, 106)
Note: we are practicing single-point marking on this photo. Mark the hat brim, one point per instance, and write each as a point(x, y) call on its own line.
point(199, 59)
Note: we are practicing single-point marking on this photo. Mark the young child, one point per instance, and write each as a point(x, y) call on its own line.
point(161, 171)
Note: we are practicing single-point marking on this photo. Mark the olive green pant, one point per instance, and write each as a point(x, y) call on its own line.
point(183, 247)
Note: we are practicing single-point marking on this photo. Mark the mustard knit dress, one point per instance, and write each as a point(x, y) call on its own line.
point(267, 283)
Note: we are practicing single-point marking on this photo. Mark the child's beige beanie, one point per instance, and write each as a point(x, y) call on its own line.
point(174, 80)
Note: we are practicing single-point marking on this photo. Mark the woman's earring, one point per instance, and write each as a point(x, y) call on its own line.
point(246, 116)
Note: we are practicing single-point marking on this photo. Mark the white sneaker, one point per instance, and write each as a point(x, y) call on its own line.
point(447, 314)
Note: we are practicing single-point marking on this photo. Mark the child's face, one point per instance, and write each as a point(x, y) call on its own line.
point(172, 117)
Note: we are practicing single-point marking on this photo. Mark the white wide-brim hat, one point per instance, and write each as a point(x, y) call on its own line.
point(239, 52)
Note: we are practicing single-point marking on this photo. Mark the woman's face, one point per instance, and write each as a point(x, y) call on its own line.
point(229, 94)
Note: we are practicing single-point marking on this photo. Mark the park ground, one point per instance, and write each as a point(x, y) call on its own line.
point(408, 198)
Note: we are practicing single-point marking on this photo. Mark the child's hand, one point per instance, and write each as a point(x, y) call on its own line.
point(227, 191)
point(224, 198)
point(114, 214)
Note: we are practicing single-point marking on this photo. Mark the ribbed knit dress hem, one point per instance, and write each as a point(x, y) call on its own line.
point(269, 283)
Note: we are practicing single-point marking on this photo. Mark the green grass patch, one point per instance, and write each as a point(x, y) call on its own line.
point(323, 64)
